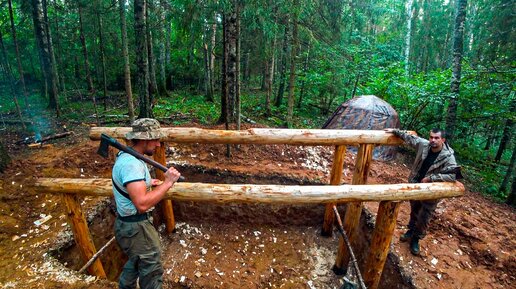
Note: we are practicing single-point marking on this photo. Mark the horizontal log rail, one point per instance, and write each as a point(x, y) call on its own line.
point(279, 194)
point(263, 136)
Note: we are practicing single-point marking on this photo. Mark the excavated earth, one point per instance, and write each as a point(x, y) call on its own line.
point(470, 242)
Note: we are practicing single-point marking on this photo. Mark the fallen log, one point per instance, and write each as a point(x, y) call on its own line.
point(37, 140)
point(39, 145)
point(272, 194)
point(56, 136)
point(263, 136)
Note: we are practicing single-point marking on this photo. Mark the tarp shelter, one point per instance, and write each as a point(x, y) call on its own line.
point(366, 112)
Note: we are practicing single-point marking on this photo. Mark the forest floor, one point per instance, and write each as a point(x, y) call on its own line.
point(470, 243)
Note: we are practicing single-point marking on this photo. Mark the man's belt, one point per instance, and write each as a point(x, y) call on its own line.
point(135, 218)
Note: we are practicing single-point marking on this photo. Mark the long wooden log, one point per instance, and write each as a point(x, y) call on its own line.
point(272, 194)
point(263, 136)
point(166, 205)
point(379, 249)
point(354, 209)
point(335, 178)
point(81, 234)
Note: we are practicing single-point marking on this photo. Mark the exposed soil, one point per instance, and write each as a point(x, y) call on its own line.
point(470, 243)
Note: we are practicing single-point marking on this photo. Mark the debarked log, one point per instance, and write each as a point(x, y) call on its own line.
point(263, 136)
point(280, 194)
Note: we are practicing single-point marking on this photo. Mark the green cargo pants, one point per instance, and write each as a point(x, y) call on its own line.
point(421, 212)
point(140, 241)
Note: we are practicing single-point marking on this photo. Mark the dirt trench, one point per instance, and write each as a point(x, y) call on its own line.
point(241, 245)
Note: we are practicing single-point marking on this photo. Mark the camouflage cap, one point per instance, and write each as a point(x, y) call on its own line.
point(146, 129)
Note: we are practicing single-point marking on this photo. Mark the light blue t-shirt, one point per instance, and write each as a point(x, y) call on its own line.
point(128, 169)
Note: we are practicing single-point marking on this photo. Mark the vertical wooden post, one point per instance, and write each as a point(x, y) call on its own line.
point(335, 178)
point(354, 209)
point(166, 205)
point(382, 236)
point(81, 233)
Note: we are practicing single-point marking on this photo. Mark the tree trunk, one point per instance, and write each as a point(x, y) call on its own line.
point(55, 75)
point(127, 68)
point(283, 70)
point(162, 64)
point(142, 65)
point(507, 134)
point(510, 170)
point(224, 117)
point(511, 199)
point(410, 11)
point(91, 89)
point(237, 62)
point(451, 116)
point(265, 71)
point(150, 50)
point(209, 57)
point(247, 69)
point(207, 93)
point(303, 82)
point(18, 58)
point(269, 75)
point(293, 56)
point(59, 51)
point(103, 58)
point(489, 137)
point(232, 62)
point(208, 89)
point(38, 13)
point(10, 78)
point(212, 51)
point(89, 79)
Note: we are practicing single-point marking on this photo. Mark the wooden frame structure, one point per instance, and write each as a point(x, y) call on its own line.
point(354, 194)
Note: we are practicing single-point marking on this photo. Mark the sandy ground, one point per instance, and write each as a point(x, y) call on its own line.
point(470, 243)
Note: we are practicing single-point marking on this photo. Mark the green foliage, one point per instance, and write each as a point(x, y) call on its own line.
point(345, 48)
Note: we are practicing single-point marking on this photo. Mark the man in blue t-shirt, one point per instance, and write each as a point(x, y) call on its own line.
point(135, 194)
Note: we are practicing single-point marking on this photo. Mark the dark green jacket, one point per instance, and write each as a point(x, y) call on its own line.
point(444, 167)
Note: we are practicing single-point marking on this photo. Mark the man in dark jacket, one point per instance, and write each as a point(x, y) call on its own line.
point(434, 162)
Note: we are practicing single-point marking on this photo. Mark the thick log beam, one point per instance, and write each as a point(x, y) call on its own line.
point(263, 136)
point(335, 178)
point(271, 194)
point(354, 209)
point(81, 234)
point(379, 249)
point(166, 205)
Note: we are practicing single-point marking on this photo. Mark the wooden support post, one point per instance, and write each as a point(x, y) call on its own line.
point(335, 178)
point(354, 209)
point(382, 236)
point(166, 205)
point(81, 234)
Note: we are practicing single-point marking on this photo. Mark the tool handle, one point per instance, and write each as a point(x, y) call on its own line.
point(113, 142)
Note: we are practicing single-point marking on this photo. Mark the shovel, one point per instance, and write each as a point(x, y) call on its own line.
point(106, 141)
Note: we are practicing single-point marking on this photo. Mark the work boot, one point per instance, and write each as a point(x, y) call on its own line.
point(414, 246)
point(407, 236)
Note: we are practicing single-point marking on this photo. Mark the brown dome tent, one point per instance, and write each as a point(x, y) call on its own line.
point(366, 112)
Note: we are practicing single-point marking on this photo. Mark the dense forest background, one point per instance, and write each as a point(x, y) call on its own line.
point(285, 63)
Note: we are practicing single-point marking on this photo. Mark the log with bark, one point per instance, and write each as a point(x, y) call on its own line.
point(34, 140)
point(271, 194)
point(263, 136)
